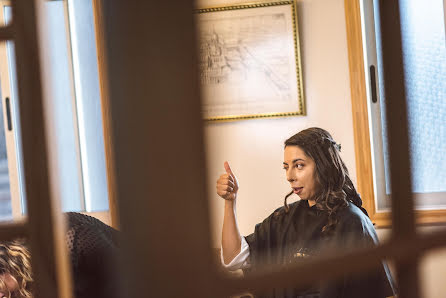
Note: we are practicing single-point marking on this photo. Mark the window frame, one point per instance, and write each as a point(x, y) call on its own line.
point(142, 256)
point(10, 137)
point(13, 149)
point(362, 123)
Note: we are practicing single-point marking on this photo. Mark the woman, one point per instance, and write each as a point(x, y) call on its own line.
point(93, 248)
point(328, 215)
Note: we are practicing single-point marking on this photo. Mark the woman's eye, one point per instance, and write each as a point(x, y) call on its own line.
point(300, 166)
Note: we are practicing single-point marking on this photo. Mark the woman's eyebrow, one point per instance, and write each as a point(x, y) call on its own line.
point(298, 159)
point(294, 161)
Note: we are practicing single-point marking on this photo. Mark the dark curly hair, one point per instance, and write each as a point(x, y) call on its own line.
point(334, 186)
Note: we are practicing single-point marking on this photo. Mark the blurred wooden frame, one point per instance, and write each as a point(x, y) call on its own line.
point(103, 89)
point(363, 156)
point(6, 86)
point(44, 226)
point(166, 248)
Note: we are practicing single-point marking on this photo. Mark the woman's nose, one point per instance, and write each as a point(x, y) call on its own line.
point(290, 176)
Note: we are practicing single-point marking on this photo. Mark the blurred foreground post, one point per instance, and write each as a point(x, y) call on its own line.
point(155, 127)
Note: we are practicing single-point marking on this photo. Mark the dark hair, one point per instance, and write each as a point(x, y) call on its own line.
point(334, 186)
point(15, 259)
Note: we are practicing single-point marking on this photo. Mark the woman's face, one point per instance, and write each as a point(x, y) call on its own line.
point(300, 172)
point(10, 284)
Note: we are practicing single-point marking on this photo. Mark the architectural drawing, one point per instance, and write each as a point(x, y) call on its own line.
point(248, 62)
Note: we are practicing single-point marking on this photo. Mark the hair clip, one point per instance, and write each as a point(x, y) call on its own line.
point(332, 142)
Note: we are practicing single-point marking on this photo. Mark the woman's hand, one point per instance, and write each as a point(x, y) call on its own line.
point(227, 185)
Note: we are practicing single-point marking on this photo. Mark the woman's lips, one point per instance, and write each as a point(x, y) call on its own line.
point(297, 190)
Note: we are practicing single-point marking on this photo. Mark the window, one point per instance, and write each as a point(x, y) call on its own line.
point(424, 54)
point(75, 113)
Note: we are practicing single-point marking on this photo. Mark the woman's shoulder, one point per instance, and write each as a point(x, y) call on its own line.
point(84, 226)
point(80, 219)
point(353, 220)
point(353, 214)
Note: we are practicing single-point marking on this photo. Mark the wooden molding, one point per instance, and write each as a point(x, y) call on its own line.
point(98, 10)
point(156, 126)
point(363, 150)
point(45, 225)
point(361, 133)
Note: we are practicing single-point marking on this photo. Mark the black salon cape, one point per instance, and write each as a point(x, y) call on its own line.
point(94, 251)
point(284, 238)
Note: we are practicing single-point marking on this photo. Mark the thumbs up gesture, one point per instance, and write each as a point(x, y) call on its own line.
point(227, 185)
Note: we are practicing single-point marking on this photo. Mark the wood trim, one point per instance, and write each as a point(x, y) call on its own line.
point(363, 150)
point(403, 216)
point(422, 217)
point(12, 230)
point(154, 100)
point(6, 33)
point(10, 137)
point(98, 12)
point(46, 227)
point(364, 168)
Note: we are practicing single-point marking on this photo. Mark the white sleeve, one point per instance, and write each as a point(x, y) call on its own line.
point(240, 261)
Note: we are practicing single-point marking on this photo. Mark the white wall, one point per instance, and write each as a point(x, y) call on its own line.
point(254, 148)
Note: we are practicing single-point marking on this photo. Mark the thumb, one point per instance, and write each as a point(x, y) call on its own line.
point(228, 169)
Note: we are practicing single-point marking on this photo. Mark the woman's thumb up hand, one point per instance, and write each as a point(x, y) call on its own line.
point(227, 185)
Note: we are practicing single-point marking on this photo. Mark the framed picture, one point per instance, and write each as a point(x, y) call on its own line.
point(250, 61)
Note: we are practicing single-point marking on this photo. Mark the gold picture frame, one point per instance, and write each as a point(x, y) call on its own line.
point(249, 61)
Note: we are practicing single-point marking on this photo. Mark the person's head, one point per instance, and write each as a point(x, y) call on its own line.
point(317, 173)
point(15, 270)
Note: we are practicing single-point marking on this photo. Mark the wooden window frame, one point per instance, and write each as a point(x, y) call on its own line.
point(176, 260)
point(98, 15)
point(17, 201)
point(44, 226)
point(361, 131)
